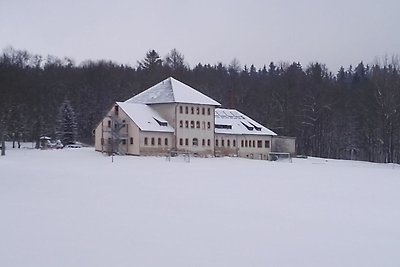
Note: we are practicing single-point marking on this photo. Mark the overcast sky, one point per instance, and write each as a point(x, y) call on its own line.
point(336, 33)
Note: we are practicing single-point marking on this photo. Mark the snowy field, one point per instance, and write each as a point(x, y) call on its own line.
point(74, 207)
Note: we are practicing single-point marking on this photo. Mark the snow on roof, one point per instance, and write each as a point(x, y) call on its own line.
point(145, 117)
point(172, 91)
point(231, 121)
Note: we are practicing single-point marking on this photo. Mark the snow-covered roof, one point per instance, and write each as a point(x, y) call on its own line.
point(231, 121)
point(172, 91)
point(145, 117)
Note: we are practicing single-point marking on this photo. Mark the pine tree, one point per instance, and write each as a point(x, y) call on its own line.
point(66, 130)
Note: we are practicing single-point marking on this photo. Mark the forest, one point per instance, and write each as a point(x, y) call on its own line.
point(349, 114)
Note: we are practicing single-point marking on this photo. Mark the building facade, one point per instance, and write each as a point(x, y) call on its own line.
point(172, 117)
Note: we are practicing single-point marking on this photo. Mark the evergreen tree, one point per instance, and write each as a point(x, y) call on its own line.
point(66, 130)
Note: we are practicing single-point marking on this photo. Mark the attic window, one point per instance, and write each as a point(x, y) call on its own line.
point(256, 127)
point(223, 126)
point(247, 126)
point(161, 123)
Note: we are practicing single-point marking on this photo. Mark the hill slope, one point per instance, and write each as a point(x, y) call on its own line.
point(77, 208)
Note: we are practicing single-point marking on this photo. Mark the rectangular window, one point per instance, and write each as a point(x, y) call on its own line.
point(195, 142)
point(180, 124)
point(109, 124)
point(242, 143)
point(180, 141)
point(254, 143)
point(204, 124)
point(245, 143)
point(208, 125)
point(259, 143)
point(186, 110)
point(186, 141)
point(131, 140)
point(216, 142)
point(159, 141)
point(146, 141)
point(166, 141)
point(152, 141)
point(191, 124)
point(208, 142)
point(203, 142)
point(192, 109)
point(180, 109)
point(123, 141)
point(203, 111)
point(116, 109)
point(266, 143)
point(197, 124)
point(208, 111)
point(222, 142)
point(197, 110)
point(228, 143)
point(249, 143)
point(234, 143)
point(186, 124)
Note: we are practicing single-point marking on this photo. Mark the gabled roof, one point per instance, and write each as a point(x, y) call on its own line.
point(145, 117)
point(231, 121)
point(172, 91)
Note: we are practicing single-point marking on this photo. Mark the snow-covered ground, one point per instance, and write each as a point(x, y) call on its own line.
point(74, 207)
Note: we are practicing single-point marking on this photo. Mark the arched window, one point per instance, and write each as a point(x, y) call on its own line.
point(186, 110)
point(180, 109)
point(152, 141)
point(228, 143)
point(159, 141)
point(146, 141)
point(180, 124)
point(198, 124)
point(180, 141)
point(203, 142)
point(192, 109)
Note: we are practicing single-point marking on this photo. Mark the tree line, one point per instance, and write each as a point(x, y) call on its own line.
point(350, 114)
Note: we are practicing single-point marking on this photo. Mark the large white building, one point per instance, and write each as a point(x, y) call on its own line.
point(172, 117)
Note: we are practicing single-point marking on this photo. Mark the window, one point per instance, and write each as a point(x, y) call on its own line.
point(195, 142)
point(152, 141)
point(180, 109)
point(197, 110)
point(109, 124)
point(254, 143)
point(186, 124)
point(266, 143)
point(208, 142)
point(204, 124)
point(116, 109)
point(249, 143)
point(259, 143)
point(191, 124)
point(245, 143)
point(242, 143)
point(203, 111)
point(180, 141)
point(180, 124)
point(131, 140)
point(123, 141)
point(146, 141)
point(234, 143)
point(192, 109)
point(186, 110)
point(161, 123)
point(222, 142)
point(203, 142)
point(166, 141)
point(198, 124)
point(228, 143)
point(159, 141)
point(208, 125)
point(187, 141)
point(208, 111)
point(216, 142)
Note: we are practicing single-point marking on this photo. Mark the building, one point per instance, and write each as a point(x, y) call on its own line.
point(172, 117)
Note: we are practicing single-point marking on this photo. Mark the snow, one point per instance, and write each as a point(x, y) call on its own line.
point(172, 91)
point(144, 117)
point(237, 120)
point(74, 207)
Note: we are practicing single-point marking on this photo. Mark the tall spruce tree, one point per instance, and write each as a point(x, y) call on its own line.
point(66, 130)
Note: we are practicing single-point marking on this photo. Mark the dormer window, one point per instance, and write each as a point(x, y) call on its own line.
point(116, 110)
point(161, 123)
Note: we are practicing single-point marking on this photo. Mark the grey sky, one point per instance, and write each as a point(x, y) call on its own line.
point(333, 32)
